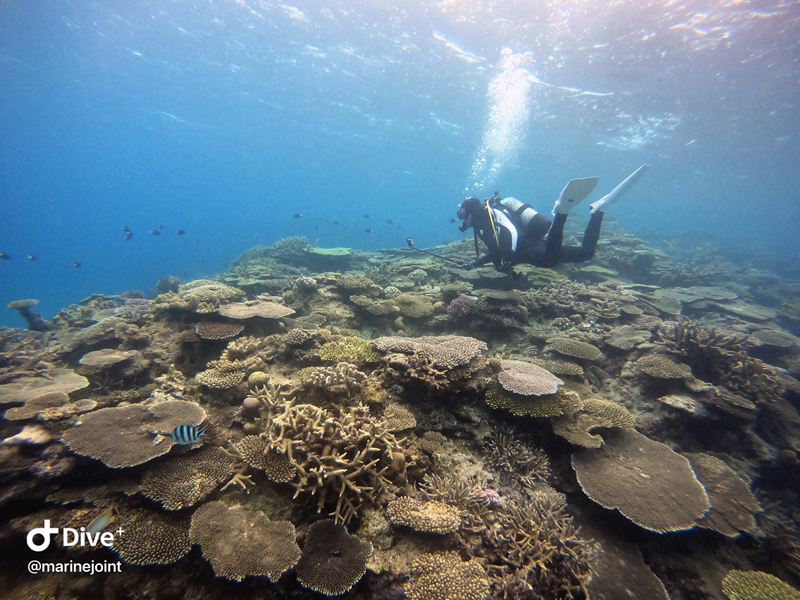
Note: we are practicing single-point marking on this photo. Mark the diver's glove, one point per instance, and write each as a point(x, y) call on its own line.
point(468, 265)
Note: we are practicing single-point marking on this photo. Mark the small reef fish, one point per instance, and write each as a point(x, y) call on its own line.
point(297, 215)
point(368, 230)
point(129, 236)
point(126, 229)
point(186, 434)
point(102, 521)
point(336, 222)
point(161, 227)
point(453, 220)
point(155, 232)
point(389, 222)
point(76, 264)
point(181, 232)
point(366, 216)
point(5, 256)
point(31, 257)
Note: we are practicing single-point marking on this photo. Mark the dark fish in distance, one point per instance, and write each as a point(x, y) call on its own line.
point(186, 434)
point(129, 236)
point(453, 220)
point(31, 257)
point(76, 264)
point(161, 227)
point(389, 222)
point(366, 216)
point(297, 215)
point(5, 256)
point(336, 222)
point(155, 232)
point(181, 232)
point(126, 229)
point(368, 230)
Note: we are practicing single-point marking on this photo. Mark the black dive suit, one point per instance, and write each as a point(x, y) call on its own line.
point(539, 243)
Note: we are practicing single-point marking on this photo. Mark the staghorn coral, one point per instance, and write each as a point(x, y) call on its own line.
point(732, 503)
point(526, 379)
point(755, 585)
point(350, 349)
point(414, 305)
point(187, 479)
point(574, 348)
point(344, 378)
point(240, 542)
point(645, 480)
point(661, 366)
point(524, 464)
point(333, 561)
point(342, 455)
point(130, 435)
point(540, 553)
point(429, 516)
point(215, 329)
point(222, 374)
point(152, 538)
point(446, 351)
point(444, 576)
point(398, 418)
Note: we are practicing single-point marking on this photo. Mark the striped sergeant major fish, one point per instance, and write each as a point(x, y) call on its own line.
point(187, 434)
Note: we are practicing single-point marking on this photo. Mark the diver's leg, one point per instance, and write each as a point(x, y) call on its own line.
point(555, 237)
point(575, 254)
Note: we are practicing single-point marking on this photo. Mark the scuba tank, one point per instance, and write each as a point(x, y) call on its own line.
point(523, 212)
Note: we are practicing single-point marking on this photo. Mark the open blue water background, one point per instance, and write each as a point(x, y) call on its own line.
point(226, 118)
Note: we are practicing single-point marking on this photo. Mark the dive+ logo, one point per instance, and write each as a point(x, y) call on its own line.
point(69, 537)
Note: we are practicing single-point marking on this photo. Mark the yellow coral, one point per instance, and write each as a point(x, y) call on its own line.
point(350, 349)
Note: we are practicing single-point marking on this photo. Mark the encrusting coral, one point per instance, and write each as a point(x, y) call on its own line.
point(350, 349)
point(574, 348)
point(240, 542)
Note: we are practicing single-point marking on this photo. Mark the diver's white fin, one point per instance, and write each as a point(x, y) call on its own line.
point(574, 193)
point(618, 191)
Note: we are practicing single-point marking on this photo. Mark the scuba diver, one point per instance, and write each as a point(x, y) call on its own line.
point(515, 233)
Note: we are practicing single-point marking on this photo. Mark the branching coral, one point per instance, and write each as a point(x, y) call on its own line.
point(516, 459)
point(343, 455)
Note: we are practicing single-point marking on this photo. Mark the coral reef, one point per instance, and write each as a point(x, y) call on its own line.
point(527, 379)
point(755, 585)
point(152, 538)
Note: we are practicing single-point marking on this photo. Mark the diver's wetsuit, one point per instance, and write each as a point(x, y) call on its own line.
point(533, 248)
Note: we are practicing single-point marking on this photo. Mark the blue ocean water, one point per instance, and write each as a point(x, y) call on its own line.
point(227, 118)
